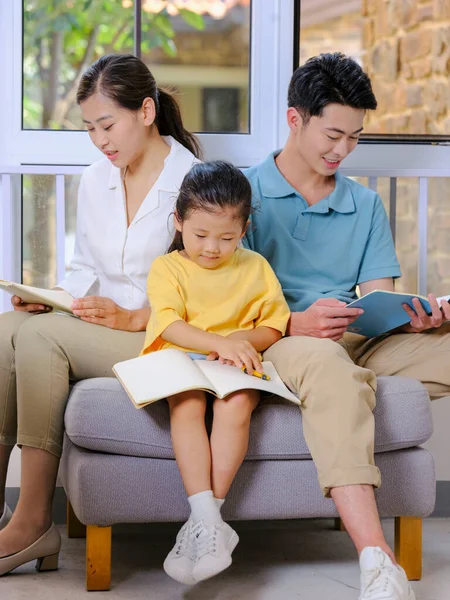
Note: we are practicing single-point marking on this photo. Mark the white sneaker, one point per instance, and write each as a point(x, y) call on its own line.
point(179, 562)
point(381, 579)
point(6, 517)
point(215, 543)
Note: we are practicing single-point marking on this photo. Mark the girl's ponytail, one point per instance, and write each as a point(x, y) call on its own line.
point(177, 243)
point(169, 122)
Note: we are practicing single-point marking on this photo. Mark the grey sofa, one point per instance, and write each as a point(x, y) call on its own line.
point(118, 467)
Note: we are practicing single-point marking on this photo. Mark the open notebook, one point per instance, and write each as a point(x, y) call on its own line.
point(157, 375)
point(383, 311)
point(57, 299)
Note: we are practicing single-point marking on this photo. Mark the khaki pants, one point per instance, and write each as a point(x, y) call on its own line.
point(336, 384)
point(39, 356)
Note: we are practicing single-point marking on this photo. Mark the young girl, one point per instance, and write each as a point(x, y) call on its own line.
point(214, 300)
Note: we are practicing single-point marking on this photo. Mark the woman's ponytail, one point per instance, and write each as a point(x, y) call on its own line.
point(169, 122)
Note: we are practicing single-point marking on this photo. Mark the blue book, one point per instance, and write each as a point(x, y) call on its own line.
point(383, 311)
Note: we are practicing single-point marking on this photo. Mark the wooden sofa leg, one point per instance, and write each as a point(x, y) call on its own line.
point(339, 524)
point(408, 545)
point(75, 528)
point(98, 558)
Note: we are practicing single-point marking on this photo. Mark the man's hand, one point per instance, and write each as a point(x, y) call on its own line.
point(21, 306)
point(103, 311)
point(326, 318)
point(420, 321)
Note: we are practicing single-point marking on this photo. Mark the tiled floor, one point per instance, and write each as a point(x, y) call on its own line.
point(287, 560)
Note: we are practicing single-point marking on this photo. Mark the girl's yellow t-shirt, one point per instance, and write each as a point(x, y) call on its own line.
point(241, 294)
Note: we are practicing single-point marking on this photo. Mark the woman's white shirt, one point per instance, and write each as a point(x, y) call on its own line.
point(110, 258)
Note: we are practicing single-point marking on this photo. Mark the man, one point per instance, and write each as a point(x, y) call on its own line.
point(325, 234)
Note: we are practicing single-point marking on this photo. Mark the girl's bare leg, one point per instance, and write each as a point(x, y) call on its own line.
point(190, 440)
point(229, 437)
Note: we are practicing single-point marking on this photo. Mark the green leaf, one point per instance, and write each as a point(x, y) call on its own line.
point(193, 19)
point(169, 48)
point(164, 25)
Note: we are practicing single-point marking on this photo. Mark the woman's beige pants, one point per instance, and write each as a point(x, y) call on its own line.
point(40, 355)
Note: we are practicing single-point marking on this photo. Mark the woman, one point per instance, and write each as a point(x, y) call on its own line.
point(124, 205)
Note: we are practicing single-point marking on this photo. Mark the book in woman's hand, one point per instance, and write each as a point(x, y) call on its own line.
point(57, 299)
point(154, 376)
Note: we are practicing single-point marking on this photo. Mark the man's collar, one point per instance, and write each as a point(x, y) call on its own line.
point(341, 198)
point(275, 185)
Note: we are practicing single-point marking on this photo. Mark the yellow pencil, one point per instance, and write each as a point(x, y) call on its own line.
point(256, 374)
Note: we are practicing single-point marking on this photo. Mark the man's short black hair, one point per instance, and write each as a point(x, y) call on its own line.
point(327, 79)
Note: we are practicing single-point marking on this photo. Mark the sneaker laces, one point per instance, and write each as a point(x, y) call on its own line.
point(206, 543)
point(377, 580)
point(184, 545)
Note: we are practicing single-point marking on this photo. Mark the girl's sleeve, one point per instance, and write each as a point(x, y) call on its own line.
point(274, 312)
point(83, 274)
point(166, 302)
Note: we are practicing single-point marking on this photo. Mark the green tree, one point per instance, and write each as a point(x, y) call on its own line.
point(63, 37)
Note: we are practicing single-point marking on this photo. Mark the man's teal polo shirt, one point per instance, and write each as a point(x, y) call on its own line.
point(323, 250)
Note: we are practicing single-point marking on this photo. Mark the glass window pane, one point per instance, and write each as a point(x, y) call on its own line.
point(190, 45)
point(205, 58)
point(438, 236)
point(404, 46)
point(61, 39)
point(406, 232)
point(39, 249)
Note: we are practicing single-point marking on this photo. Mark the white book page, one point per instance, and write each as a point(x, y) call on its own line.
point(443, 299)
point(56, 298)
point(228, 379)
point(159, 374)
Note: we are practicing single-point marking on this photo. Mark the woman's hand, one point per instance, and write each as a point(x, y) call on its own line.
point(103, 311)
point(238, 352)
point(21, 306)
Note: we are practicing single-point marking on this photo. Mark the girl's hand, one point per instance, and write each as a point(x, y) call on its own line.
point(21, 306)
point(102, 311)
point(223, 361)
point(241, 353)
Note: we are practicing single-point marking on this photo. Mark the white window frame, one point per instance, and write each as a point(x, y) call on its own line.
point(271, 64)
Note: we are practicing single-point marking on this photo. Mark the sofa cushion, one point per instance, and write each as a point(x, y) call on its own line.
point(100, 417)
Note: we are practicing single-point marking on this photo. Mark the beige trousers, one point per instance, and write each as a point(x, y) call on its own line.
point(336, 384)
point(40, 355)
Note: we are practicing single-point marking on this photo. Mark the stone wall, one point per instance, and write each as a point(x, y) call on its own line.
point(406, 47)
